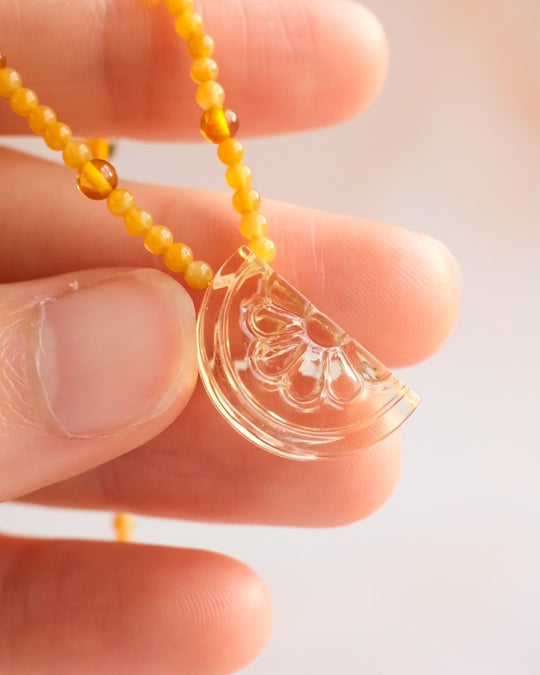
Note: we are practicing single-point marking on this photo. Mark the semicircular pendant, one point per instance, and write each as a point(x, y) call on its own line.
point(286, 376)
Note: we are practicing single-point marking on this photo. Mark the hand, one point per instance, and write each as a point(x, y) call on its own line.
point(98, 358)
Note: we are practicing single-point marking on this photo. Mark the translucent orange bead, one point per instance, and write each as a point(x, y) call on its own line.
point(204, 69)
point(188, 23)
point(57, 135)
point(40, 118)
point(218, 124)
point(123, 525)
point(76, 153)
point(253, 225)
point(157, 239)
point(10, 80)
point(210, 94)
point(198, 274)
point(246, 200)
point(119, 201)
point(137, 221)
point(23, 101)
point(177, 257)
point(178, 6)
point(264, 248)
point(3, 59)
point(200, 45)
point(97, 179)
point(238, 176)
point(230, 151)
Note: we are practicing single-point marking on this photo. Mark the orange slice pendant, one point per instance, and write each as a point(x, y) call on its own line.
point(286, 376)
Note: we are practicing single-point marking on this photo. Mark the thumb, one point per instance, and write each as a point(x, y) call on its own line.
point(93, 364)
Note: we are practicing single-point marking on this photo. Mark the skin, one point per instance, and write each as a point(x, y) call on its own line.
point(90, 607)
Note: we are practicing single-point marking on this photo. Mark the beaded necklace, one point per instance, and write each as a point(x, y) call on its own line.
point(281, 372)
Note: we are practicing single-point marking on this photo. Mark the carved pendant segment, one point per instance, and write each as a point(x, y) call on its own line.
point(285, 375)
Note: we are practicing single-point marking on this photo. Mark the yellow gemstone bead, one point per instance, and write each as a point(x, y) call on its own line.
point(239, 176)
point(40, 118)
point(204, 69)
point(178, 6)
point(177, 257)
point(96, 179)
point(101, 148)
point(264, 248)
point(246, 200)
point(188, 23)
point(200, 45)
point(123, 525)
point(10, 80)
point(230, 151)
point(76, 153)
point(3, 59)
point(57, 135)
point(210, 94)
point(137, 221)
point(253, 225)
point(157, 239)
point(23, 101)
point(218, 124)
point(119, 201)
point(198, 274)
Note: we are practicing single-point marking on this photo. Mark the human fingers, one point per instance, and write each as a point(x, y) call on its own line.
point(86, 608)
point(118, 68)
point(94, 363)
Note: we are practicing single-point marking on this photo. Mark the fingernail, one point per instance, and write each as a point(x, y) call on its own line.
point(117, 352)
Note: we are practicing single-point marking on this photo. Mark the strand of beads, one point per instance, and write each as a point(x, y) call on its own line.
point(97, 179)
point(219, 125)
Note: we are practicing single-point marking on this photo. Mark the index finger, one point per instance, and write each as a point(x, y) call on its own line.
point(117, 68)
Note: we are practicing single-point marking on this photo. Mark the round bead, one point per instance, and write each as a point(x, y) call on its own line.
point(253, 225)
point(178, 6)
point(264, 248)
point(204, 69)
point(76, 153)
point(238, 176)
point(210, 94)
point(177, 257)
point(157, 239)
point(23, 101)
point(200, 45)
point(246, 200)
point(188, 23)
point(97, 179)
point(57, 135)
point(100, 147)
point(40, 118)
point(119, 201)
point(198, 274)
point(230, 151)
point(218, 124)
point(137, 221)
point(3, 58)
point(10, 80)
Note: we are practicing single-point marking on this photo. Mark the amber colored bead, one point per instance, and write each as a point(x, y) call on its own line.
point(3, 58)
point(230, 151)
point(40, 118)
point(246, 200)
point(200, 44)
point(218, 124)
point(238, 176)
point(119, 201)
point(23, 101)
point(198, 274)
point(188, 23)
point(57, 135)
point(204, 69)
point(100, 147)
point(157, 238)
point(137, 221)
point(177, 257)
point(97, 179)
point(264, 248)
point(210, 94)
point(76, 153)
point(123, 525)
point(10, 80)
point(178, 6)
point(253, 225)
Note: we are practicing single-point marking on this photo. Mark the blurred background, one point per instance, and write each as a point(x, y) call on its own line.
point(446, 577)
